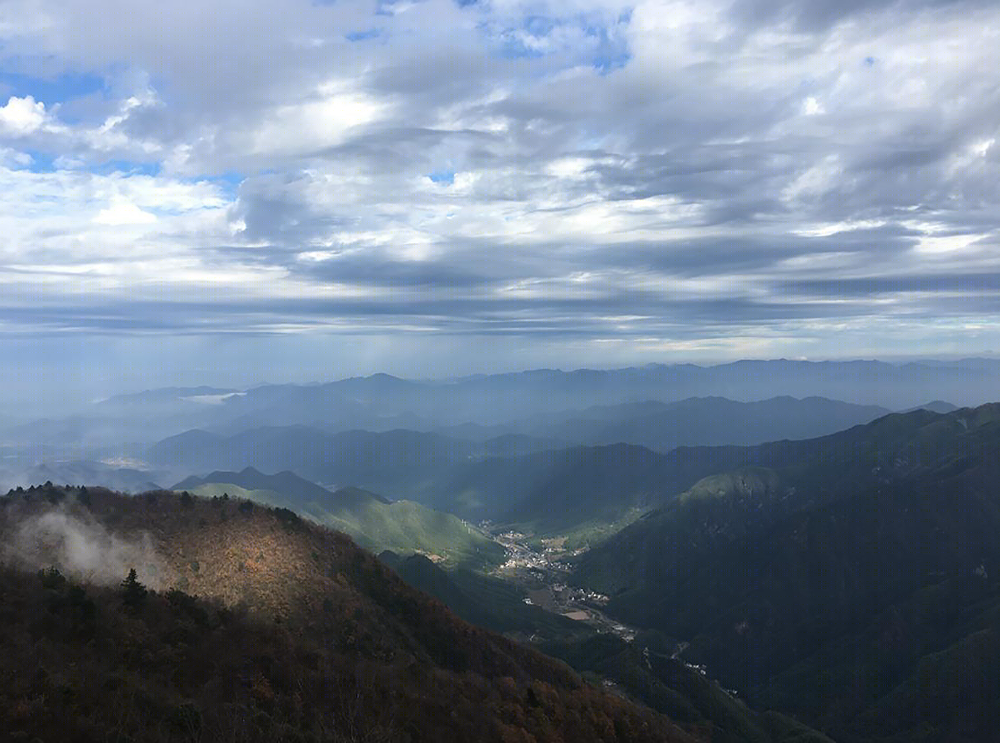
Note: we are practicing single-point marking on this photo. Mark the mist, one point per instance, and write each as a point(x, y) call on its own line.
point(80, 548)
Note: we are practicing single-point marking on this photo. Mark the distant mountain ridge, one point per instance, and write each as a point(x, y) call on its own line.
point(712, 421)
point(517, 478)
point(935, 406)
point(162, 395)
point(307, 450)
point(285, 482)
point(82, 472)
point(501, 397)
point(381, 402)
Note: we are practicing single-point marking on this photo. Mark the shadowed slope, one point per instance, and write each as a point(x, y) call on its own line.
point(804, 577)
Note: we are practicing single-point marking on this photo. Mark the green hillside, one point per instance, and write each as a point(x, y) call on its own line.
point(583, 491)
point(400, 526)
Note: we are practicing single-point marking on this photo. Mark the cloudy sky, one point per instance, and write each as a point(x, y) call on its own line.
point(235, 191)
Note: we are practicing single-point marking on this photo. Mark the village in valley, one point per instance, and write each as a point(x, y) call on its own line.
point(542, 575)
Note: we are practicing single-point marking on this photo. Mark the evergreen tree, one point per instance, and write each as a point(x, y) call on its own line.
point(133, 592)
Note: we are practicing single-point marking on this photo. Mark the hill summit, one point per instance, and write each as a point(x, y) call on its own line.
point(272, 629)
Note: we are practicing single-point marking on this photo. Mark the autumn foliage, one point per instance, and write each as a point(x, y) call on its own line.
point(265, 628)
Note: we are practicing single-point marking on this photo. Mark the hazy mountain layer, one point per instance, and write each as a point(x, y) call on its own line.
point(588, 492)
point(716, 421)
point(578, 489)
point(382, 403)
point(309, 452)
point(128, 479)
point(499, 398)
point(663, 426)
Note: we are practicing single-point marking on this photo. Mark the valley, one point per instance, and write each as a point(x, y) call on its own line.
point(719, 584)
point(542, 576)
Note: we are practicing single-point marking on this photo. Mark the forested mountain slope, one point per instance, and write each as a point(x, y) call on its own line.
point(664, 683)
point(320, 641)
point(828, 577)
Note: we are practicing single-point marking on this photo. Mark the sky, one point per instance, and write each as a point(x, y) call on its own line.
point(237, 192)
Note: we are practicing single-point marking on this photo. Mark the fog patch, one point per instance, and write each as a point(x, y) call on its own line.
point(83, 549)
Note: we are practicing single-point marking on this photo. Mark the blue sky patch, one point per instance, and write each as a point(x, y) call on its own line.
point(49, 90)
point(447, 177)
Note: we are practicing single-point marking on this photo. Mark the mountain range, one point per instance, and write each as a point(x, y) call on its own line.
point(381, 402)
point(713, 421)
point(663, 426)
point(848, 581)
point(533, 481)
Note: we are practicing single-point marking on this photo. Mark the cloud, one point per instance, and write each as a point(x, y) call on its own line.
point(81, 548)
point(816, 15)
point(122, 212)
point(505, 169)
point(20, 116)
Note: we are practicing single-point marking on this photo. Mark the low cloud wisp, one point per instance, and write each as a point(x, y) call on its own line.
point(82, 549)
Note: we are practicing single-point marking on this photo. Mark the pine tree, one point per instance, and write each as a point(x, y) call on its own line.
point(133, 592)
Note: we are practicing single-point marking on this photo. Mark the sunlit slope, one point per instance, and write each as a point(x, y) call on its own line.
point(316, 641)
point(400, 526)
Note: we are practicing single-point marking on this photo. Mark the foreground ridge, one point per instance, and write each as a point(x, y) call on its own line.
point(295, 634)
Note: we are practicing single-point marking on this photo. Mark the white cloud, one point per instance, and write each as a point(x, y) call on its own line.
point(121, 212)
point(14, 159)
point(714, 154)
point(323, 120)
point(811, 106)
point(21, 116)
